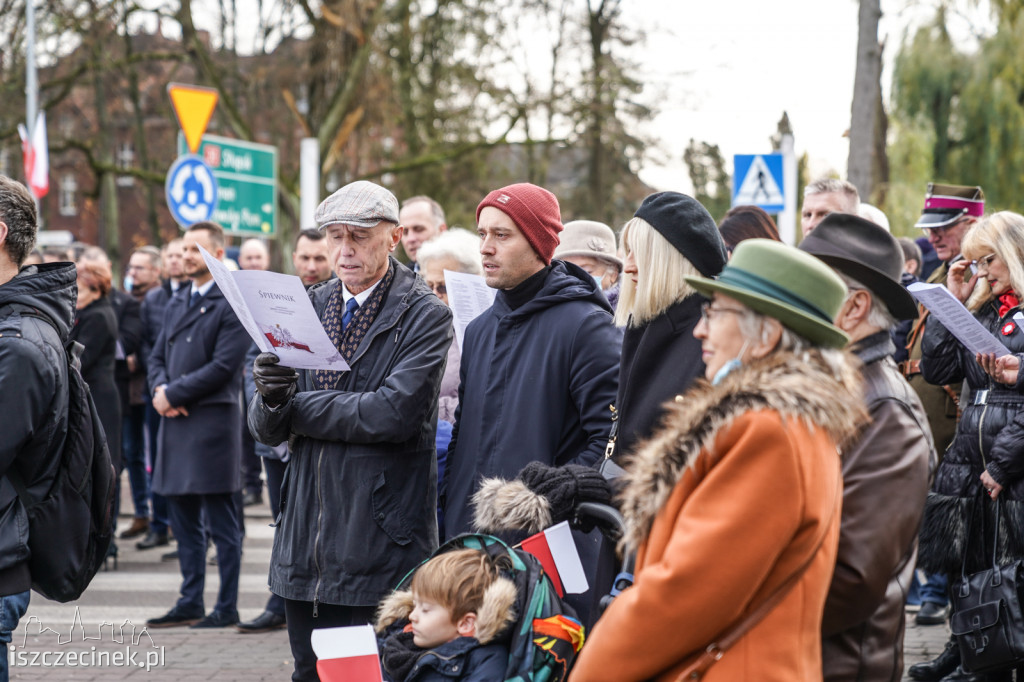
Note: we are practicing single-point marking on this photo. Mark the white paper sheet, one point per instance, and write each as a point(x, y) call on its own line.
point(956, 318)
point(468, 296)
point(276, 311)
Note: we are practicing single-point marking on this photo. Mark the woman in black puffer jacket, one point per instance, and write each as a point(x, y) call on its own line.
point(986, 458)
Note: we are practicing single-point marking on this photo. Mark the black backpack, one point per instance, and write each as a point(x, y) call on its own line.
point(70, 527)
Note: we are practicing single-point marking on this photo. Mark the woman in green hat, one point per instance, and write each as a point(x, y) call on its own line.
point(733, 507)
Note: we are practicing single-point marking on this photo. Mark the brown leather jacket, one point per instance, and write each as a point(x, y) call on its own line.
point(885, 481)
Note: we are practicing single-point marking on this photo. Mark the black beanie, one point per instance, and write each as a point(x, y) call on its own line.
point(565, 486)
point(688, 226)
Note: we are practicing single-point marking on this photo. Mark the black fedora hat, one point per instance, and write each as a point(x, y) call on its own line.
point(864, 251)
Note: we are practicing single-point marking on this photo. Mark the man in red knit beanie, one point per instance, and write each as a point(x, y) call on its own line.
point(540, 366)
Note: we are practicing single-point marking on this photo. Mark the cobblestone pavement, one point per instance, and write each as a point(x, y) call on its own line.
point(109, 620)
point(922, 643)
point(106, 626)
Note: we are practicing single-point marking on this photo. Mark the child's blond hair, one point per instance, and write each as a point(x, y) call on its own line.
point(455, 580)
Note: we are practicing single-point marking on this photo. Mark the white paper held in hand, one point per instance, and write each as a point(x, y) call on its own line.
point(957, 319)
point(276, 311)
point(468, 296)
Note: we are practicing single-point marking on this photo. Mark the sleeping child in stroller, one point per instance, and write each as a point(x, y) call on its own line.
point(448, 625)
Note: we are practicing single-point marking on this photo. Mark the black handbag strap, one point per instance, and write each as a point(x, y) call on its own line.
point(995, 542)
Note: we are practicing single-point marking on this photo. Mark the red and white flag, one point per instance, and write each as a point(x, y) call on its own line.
point(36, 155)
point(346, 654)
point(557, 552)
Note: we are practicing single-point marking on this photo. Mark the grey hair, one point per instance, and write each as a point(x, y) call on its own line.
point(18, 212)
point(461, 245)
point(837, 186)
point(435, 208)
point(879, 317)
point(756, 328)
point(152, 252)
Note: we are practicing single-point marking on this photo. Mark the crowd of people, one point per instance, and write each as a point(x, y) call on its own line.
point(768, 419)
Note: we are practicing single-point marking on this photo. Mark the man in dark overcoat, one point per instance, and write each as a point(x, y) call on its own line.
point(196, 373)
point(358, 503)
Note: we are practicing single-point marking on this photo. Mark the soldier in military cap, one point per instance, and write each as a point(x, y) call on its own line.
point(949, 212)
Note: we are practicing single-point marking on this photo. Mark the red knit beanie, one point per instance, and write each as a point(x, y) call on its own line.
point(535, 212)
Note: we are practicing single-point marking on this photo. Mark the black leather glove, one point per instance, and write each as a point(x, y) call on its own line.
point(276, 383)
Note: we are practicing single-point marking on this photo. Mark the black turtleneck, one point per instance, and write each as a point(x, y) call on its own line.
point(527, 289)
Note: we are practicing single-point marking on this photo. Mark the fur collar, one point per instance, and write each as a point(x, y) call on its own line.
point(803, 387)
point(495, 614)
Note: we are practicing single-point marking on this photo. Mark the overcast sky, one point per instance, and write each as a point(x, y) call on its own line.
point(730, 68)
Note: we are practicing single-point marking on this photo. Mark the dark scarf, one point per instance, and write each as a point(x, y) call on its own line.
point(399, 655)
point(1007, 302)
point(348, 342)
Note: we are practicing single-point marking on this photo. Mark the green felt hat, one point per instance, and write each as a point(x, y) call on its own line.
point(784, 283)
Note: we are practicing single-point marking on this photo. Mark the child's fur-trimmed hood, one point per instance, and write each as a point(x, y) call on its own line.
point(800, 386)
point(494, 616)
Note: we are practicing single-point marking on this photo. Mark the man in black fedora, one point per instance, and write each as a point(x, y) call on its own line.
point(886, 469)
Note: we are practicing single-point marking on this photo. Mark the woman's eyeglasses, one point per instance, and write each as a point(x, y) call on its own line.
point(708, 311)
point(985, 262)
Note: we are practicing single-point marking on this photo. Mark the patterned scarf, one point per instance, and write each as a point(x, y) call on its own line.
point(1007, 302)
point(348, 341)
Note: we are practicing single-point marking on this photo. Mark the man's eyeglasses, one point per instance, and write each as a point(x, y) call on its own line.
point(708, 311)
point(985, 262)
point(943, 229)
point(439, 288)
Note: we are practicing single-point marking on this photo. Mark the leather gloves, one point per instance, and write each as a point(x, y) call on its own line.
point(276, 383)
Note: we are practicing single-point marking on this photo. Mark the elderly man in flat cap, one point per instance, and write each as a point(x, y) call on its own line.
point(885, 469)
point(358, 500)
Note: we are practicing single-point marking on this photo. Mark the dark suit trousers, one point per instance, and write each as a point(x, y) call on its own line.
point(275, 475)
point(222, 523)
point(301, 624)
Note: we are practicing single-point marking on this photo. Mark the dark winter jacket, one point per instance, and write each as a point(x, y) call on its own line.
point(886, 473)
point(33, 400)
point(358, 499)
point(483, 658)
point(536, 385)
point(95, 328)
point(659, 361)
point(154, 305)
point(990, 435)
point(127, 311)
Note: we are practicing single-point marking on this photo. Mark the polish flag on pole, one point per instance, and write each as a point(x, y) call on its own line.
point(346, 654)
point(556, 551)
point(36, 156)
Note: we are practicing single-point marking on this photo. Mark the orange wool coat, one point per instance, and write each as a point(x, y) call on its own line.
point(725, 503)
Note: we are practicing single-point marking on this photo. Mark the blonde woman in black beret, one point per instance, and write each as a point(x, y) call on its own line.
point(670, 237)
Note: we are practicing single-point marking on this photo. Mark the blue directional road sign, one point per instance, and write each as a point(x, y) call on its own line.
point(757, 181)
point(191, 190)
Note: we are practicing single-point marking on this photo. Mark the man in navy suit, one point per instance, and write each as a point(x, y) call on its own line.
point(196, 373)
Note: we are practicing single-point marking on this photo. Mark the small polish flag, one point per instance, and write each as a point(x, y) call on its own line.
point(346, 654)
point(36, 156)
point(556, 550)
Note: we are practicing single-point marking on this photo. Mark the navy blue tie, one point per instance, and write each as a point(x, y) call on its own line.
point(195, 297)
point(350, 310)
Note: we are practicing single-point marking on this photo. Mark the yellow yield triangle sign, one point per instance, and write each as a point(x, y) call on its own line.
point(193, 106)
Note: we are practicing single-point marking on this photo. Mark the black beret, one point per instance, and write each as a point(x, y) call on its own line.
point(687, 226)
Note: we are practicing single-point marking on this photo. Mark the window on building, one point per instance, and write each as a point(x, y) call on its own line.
point(68, 192)
point(124, 157)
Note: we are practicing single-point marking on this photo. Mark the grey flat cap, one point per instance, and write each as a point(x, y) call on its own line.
point(360, 203)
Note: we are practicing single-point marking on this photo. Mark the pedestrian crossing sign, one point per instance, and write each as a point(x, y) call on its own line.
point(757, 181)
